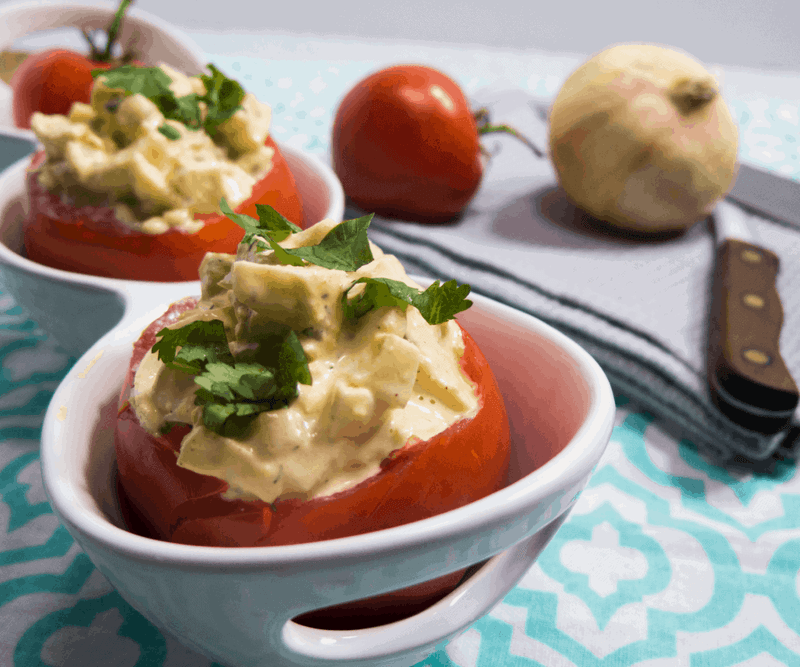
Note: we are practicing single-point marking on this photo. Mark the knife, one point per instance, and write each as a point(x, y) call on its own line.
point(747, 376)
point(768, 193)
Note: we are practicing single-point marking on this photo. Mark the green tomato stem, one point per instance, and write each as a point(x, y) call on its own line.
point(115, 27)
point(112, 34)
point(486, 127)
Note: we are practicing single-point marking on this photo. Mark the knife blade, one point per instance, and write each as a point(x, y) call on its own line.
point(748, 378)
point(767, 192)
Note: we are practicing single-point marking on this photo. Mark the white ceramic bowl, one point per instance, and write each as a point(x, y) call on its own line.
point(156, 41)
point(237, 605)
point(53, 298)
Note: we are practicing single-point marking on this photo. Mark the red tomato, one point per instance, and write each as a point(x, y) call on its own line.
point(466, 462)
point(50, 82)
point(91, 240)
point(405, 144)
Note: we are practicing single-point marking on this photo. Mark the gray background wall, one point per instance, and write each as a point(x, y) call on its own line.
point(741, 33)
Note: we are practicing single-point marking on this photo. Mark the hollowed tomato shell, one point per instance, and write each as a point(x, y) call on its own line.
point(465, 462)
point(91, 240)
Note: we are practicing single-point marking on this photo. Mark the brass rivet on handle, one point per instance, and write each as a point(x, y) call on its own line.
point(751, 256)
point(753, 300)
point(756, 356)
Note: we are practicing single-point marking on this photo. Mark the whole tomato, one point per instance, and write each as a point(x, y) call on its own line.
point(50, 81)
point(405, 144)
point(91, 240)
point(467, 461)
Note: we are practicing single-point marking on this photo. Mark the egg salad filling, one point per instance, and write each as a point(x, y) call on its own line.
point(310, 357)
point(158, 146)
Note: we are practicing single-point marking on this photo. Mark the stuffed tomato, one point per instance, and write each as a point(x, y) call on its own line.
point(129, 185)
point(463, 463)
point(296, 402)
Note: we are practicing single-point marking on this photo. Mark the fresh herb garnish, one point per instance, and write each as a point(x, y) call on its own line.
point(167, 427)
point(437, 304)
point(292, 362)
point(231, 392)
point(147, 81)
point(270, 224)
point(189, 348)
point(440, 303)
point(345, 247)
point(222, 99)
point(169, 132)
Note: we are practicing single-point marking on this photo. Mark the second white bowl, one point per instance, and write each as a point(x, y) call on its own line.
point(75, 309)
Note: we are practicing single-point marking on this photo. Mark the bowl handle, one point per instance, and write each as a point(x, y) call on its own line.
point(411, 640)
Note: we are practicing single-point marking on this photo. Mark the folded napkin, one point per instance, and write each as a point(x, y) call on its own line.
point(639, 307)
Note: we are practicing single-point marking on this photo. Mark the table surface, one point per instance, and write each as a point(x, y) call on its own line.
point(666, 558)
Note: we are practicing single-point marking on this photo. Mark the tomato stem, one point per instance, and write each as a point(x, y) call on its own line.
point(486, 127)
point(112, 34)
point(115, 27)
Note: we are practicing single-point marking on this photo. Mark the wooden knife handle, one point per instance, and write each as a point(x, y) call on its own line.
point(748, 377)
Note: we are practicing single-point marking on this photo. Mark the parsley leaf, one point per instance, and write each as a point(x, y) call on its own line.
point(234, 382)
point(184, 109)
point(222, 99)
point(437, 304)
point(283, 255)
point(378, 292)
point(168, 426)
point(270, 224)
point(250, 225)
point(189, 348)
point(278, 226)
point(345, 247)
point(169, 132)
point(232, 393)
point(292, 364)
point(148, 81)
point(440, 303)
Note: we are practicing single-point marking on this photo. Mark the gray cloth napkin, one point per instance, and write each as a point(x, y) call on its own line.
point(639, 307)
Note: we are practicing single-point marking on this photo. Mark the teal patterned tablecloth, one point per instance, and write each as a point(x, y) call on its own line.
point(666, 560)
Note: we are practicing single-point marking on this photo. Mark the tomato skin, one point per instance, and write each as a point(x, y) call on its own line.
point(465, 462)
point(49, 82)
point(91, 240)
point(405, 145)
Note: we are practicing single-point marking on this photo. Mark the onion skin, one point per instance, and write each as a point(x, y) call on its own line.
point(642, 140)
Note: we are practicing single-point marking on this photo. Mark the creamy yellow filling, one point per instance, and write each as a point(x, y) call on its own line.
point(376, 383)
point(111, 151)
